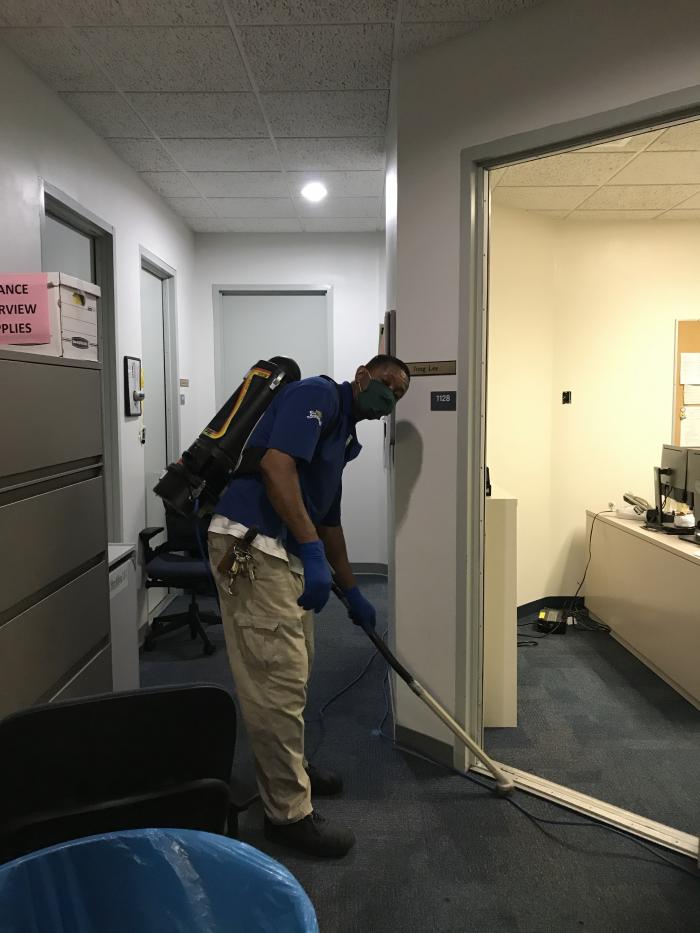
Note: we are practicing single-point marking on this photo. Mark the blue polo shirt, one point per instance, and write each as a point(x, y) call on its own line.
point(312, 421)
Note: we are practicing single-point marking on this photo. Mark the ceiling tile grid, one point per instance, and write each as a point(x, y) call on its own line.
point(227, 108)
point(647, 176)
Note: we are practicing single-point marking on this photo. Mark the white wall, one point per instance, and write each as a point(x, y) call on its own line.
point(550, 64)
point(43, 139)
point(353, 265)
point(592, 308)
point(521, 355)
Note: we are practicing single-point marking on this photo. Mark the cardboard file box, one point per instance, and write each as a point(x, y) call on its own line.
point(74, 320)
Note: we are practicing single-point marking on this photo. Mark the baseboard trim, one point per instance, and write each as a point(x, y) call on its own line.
point(439, 751)
point(380, 569)
point(553, 602)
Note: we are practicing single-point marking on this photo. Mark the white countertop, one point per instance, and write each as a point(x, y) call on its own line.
point(117, 552)
point(670, 543)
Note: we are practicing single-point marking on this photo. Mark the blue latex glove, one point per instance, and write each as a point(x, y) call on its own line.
point(317, 576)
point(361, 610)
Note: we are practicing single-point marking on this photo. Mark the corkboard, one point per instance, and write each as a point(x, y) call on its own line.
point(687, 341)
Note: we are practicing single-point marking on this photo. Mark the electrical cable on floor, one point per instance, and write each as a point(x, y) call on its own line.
point(336, 696)
point(589, 823)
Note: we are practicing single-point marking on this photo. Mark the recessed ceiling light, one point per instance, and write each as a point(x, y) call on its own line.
point(314, 191)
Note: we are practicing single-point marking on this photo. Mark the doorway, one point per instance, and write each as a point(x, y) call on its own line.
point(477, 326)
point(253, 324)
point(160, 423)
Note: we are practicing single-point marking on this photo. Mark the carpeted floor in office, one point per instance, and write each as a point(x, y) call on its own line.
point(436, 852)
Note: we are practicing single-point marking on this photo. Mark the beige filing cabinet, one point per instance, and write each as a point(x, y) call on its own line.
point(54, 593)
point(500, 611)
point(646, 587)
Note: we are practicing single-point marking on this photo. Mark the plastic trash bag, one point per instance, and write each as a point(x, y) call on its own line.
point(152, 881)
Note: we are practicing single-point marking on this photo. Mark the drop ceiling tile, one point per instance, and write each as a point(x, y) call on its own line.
point(559, 198)
point(246, 225)
point(662, 168)
point(187, 116)
point(413, 37)
point(241, 184)
point(168, 58)
point(496, 176)
point(57, 58)
point(341, 225)
point(341, 184)
point(625, 143)
point(145, 13)
point(678, 138)
point(553, 215)
point(145, 155)
point(253, 207)
point(191, 207)
point(568, 168)
point(327, 113)
point(681, 215)
point(340, 207)
point(284, 12)
point(451, 10)
point(690, 204)
point(315, 58)
point(639, 197)
point(360, 154)
point(29, 13)
point(170, 184)
point(108, 115)
point(613, 215)
point(222, 155)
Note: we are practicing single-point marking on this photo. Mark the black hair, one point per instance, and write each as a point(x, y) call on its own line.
point(384, 359)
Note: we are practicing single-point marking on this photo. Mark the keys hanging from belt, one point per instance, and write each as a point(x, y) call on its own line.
point(239, 559)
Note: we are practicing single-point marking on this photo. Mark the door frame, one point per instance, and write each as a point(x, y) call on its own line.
point(471, 432)
point(219, 292)
point(168, 277)
point(64, 208)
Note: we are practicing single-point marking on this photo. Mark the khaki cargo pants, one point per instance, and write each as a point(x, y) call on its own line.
point(270, 645)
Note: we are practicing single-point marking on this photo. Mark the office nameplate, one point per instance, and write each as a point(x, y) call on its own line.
point(433, 368)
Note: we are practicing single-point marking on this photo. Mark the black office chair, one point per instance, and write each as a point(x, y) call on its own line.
point(152, 758)
point(179, 562)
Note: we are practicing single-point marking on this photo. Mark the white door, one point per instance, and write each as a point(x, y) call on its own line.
point(154, 412)
point(257, 325)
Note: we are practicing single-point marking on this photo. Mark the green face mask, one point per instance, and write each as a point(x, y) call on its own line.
point(375, 401)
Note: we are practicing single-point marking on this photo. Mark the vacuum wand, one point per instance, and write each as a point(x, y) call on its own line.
point(504, 785)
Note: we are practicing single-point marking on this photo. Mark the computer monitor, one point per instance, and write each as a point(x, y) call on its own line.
point(674, 470)
point(692, 481)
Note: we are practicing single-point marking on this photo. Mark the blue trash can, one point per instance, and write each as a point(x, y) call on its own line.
point(152, 881)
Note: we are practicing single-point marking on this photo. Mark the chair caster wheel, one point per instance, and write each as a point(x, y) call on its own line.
point(209, 649)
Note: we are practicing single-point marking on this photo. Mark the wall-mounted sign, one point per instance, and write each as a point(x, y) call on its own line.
point(443, 401)
point(433, 368)
point(24, 308)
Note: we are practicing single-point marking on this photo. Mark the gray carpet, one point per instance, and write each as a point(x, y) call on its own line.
point(593, 717)
point(435, 851)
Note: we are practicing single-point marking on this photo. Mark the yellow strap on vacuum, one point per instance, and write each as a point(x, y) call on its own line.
point(216, 435)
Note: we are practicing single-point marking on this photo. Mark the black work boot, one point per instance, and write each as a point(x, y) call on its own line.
point(313, 835)
point(324, 783)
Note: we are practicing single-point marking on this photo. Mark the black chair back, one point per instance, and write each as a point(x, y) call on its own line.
point(153, 757)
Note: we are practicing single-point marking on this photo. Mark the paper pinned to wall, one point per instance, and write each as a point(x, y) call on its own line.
point(691, 395)
point(690, 369)
point(690, 426)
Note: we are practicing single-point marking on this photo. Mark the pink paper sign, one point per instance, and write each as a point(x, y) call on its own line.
point(24, 308)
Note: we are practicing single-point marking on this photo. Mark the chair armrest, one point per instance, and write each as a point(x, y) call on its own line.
point(149, 533)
